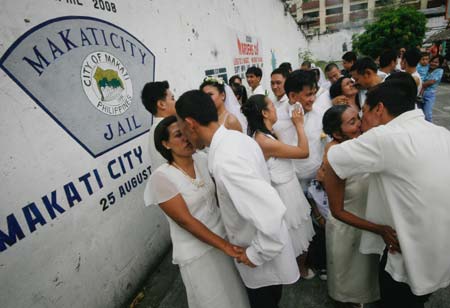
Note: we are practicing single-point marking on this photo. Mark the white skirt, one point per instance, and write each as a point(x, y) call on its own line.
point(298, 215)
point(301, 236)
point(212, 280)
point(352, 276)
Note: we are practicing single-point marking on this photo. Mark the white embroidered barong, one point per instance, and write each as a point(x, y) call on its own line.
point(251, 209)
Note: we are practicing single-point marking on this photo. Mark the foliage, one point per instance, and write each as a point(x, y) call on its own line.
point(305, 55)
point(394, 28)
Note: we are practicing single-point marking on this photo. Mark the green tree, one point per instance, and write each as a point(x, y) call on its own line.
point(393, 29)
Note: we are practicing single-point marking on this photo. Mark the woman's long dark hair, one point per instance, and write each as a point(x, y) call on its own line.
point(239, 91)
point(332, 119)
point(252, 110)
point(162, 134)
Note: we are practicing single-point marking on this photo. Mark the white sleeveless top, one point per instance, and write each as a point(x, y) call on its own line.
point(281, 170)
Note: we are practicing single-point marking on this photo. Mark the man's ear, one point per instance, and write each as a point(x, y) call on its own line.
point(379, 109)
point(293, 96)
point(160, 104)
point(191, 123)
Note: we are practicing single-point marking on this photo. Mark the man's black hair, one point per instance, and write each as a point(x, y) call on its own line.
point(299, 79)
point(254, 70)
point(197, 105)
point(330, 66)
point(412, 56)
point(152, 93)
point(407, 78)
point(286, 66)
point(363, 64)
point(395, 94)
point(280, 71)
point(307, 64)
point(349, 56)
point(387, 57)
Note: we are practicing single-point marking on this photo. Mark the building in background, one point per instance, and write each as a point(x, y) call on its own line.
point(325, 16)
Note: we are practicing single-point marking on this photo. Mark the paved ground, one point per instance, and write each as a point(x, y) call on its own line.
point(441, 111)
point(164, 288)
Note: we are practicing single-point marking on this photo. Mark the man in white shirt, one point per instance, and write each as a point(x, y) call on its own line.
point(409, 64)
point(364, 73)
point(160, 102)
point(388, 61)
point(254, 76)
point(251, 209)
point(332, 72)
point(323, 102)
point(299, 87)
point(277, 79)
point(348, 60)
point(408, 162)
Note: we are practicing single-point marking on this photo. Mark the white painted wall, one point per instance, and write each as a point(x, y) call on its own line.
point(87, 257)
point(328, 47)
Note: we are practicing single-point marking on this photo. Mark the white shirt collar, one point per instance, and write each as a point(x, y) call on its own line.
point(283, 99)
point(406, 116)
point(218, 136)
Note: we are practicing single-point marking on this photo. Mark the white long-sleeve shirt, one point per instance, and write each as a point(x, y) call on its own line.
point(251, 209)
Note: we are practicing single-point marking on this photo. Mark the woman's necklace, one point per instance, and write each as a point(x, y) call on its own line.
point(196, 182)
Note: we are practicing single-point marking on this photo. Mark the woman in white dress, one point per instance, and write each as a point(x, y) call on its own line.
point(261, 116)
point(216, 88)
point(185, 192)
point(352, 276)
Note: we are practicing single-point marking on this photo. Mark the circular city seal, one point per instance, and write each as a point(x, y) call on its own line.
point(106, 83)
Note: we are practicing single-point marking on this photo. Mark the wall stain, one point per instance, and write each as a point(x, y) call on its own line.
point(196, 35)
point(77, 268)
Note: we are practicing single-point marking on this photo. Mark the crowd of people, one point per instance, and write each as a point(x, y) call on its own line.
point(335, 173)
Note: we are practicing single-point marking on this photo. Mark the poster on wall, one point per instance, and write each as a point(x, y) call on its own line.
point(247, 52)
point(217, 72)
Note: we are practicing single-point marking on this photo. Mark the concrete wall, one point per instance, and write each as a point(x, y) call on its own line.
point(328, 47)
point(334, 41)
point(435, 24)
point(73, 228)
